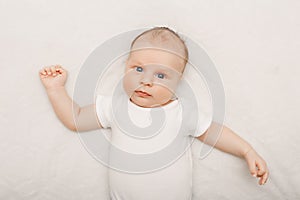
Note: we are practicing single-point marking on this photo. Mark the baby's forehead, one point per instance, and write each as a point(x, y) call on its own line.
point(157, 58)
point(167, 45)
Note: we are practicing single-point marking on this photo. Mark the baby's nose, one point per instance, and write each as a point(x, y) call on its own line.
point(147, 79)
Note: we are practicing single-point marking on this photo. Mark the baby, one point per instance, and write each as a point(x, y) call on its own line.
point(153, 71)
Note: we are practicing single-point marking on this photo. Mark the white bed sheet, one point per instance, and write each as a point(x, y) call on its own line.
point(255, 46)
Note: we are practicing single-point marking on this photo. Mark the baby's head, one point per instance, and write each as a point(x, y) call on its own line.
point(154, 67)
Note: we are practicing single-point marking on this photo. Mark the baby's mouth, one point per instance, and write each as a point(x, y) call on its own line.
point(142, 93)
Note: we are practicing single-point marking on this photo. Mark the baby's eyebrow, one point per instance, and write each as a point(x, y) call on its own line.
point(134, 62)
point(163, 70)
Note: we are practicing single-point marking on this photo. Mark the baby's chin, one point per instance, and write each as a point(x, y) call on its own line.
point(141, 102)
point(146, 102)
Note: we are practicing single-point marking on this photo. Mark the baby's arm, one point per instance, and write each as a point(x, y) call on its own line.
point(231, 143)
point(83, 119)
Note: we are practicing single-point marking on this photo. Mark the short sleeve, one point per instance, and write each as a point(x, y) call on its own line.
point(104, 110)
point(204, 123)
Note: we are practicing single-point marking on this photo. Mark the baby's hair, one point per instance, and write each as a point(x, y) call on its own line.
point(162, 35)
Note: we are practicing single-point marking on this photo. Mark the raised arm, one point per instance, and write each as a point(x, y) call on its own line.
point(230, 142)
point(73, 116)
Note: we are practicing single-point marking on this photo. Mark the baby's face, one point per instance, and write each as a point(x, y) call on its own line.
point(151, 77)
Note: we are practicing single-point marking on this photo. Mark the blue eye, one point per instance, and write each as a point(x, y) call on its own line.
point(139, 69)
point(161, 76)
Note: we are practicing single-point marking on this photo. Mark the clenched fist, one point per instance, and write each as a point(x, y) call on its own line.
point(53, 76)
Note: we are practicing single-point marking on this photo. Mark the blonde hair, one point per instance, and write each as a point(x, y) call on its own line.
point(164, 35)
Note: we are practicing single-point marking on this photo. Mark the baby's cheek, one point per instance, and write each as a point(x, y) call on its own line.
point(129, 85)
point(163, 93)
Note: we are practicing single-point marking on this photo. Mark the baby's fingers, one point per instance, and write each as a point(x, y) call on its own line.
point(262, 168)
point(53, 70)
point(43, 72)
point(59, 69)
point(264, 178)
point(47, 70)
point(262, 172)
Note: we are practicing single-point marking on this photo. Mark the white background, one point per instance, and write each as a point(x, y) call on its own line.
point(254, 44)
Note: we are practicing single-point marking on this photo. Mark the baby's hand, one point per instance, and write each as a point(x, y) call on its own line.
point(53, 76)
point(257, 166)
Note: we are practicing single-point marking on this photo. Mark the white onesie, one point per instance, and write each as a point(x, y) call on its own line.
point(173, 180)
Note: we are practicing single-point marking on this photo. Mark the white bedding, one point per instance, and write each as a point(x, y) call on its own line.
point(255, 45)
